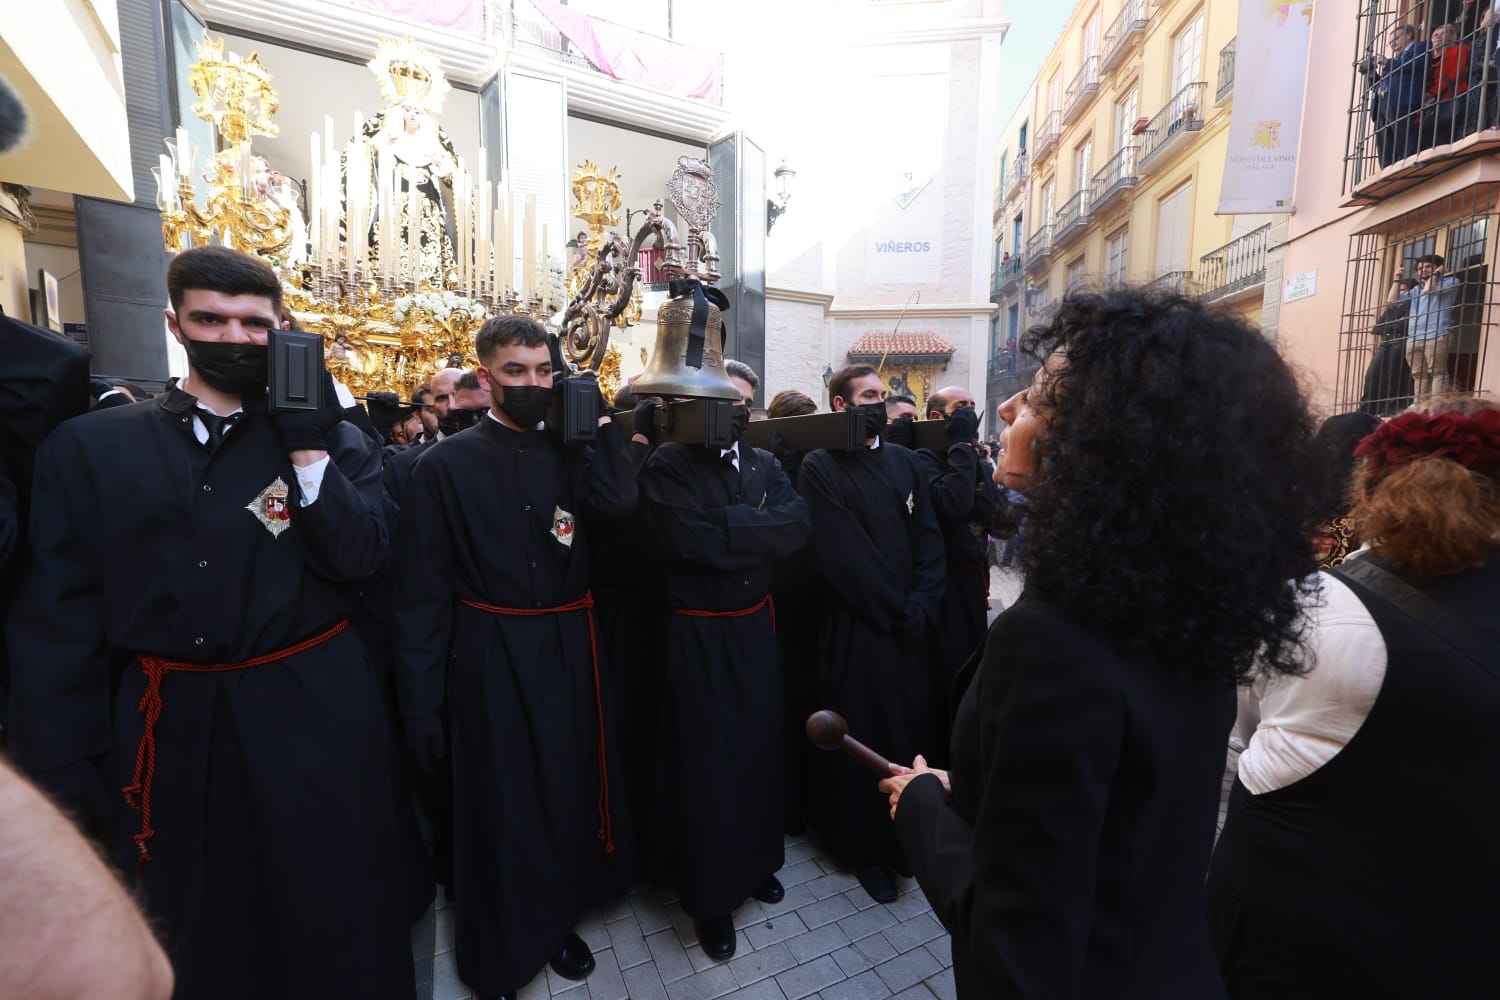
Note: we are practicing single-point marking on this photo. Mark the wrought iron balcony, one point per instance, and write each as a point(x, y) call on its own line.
point(1082, 90)
point(1003, 363)
point(1182, 116)
point(1173, 281)
point(1048, 134)
point(1073, 217)
point(1122, 32)
point(1226, 72)
point(1045, 311)
point(1007, 275)
point(1039, 248)
point(1117, 177)
point(1019, 171)
point(1236, 267)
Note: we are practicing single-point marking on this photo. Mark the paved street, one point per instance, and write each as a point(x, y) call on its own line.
point(826, 939)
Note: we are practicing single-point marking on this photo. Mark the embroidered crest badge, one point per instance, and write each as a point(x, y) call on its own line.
point(910, 504)
point(562, 527)
point(271, 509)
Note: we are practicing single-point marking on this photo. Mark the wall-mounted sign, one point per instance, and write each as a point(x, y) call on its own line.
point(1301, 286)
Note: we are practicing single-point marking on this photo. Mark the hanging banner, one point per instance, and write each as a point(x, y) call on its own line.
point(1260, 167)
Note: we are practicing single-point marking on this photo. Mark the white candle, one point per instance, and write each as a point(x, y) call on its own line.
point(387, 217)
point(184, 154)
point(413, 234)
point(500, 275)
point(528, 249)
point(461, 225)
point(166, 179)
point(314, 229)
point(544, 265)
point(505, 263)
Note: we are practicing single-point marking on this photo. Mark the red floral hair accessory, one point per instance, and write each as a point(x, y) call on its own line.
point(1471, 440)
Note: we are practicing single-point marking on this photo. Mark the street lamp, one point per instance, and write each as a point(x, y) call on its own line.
point(775, 206)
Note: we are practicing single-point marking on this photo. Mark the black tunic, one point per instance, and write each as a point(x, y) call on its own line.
point(1069, 860)
point(964, 499)
point(503, 518)
point(880, 555)
point(272, 860)
point(717, 796)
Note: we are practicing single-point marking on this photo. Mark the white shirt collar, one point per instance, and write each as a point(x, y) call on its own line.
point(733, 451)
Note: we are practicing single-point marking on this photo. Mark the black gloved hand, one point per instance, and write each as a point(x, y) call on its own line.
point(425, 742)
point(644, 418)
point(902, 431)
point(963, 425)
point(309, 430)
point(790, 458)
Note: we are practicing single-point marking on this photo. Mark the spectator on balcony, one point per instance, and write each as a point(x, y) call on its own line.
point(1388, 379)
point(1447, 82)
point(1428, 325)
point(1400, 82)
point(1484, 67)
point(1363, 867)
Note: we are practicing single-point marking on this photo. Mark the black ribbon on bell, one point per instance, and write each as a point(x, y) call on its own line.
point(697, 331)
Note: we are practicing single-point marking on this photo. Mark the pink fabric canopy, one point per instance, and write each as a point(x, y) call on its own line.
point(627, 54)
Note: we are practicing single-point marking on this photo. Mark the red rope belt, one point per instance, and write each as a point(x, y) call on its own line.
point(764, 602)
point(585, 604)
point(156, 668)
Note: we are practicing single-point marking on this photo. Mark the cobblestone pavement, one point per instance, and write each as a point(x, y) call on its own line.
point(827, 939)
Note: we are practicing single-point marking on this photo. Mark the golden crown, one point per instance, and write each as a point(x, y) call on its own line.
point(406, 71)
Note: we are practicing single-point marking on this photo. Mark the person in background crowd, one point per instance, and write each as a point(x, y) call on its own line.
point(1388, 386)
point(192, 687)
point(900, 407)
point(1484, 76)
point(422, 396)
point(744, 379)
point(879, 554)
point(1428, 324)
point(719, 518)
point(791, 403)
point(964, 500)
point(1356, 795)
point(496, 647)
point(1447, 81)
point(1334, 444)
point(1088, 751)
point(1400, 83)
point(443, 385)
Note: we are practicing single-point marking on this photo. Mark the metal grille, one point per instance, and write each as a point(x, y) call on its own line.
point(1397, 346)
point(1403, 102)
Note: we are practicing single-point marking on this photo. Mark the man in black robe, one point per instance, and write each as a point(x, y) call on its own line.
point(718, 519)
point(246, 728)
point(964, 500)
point(495, 620)
point(880, 553)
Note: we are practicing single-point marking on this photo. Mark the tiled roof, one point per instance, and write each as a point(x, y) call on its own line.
point(926, 343)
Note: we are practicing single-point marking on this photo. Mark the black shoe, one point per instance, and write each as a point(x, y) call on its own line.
point(573, 960)
point(716, 935)
point(877, 882)
point(770, 891)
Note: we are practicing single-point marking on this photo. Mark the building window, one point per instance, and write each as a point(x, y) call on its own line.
point(1021, 139)
point(1394, 349)
point(1000, 185)
point(1174, 216)
point(1091, 38)
point(1127, 111)
point(1018, 232)
point(1187, 54)
point(1083, 164)
point(1076, 273)
point(1054, 95)
point(995, 337)
point(1116, 257)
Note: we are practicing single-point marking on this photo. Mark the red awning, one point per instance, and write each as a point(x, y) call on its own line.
point(636, 57)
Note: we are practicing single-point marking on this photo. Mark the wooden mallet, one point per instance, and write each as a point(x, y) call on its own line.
point(828, 731)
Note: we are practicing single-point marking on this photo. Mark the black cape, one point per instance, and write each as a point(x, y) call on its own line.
point(880, 555)
point(717, 796)
point(272, 805)
point(503, 518)
point(965, 500)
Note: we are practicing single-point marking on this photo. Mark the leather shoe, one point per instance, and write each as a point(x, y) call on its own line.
point(716, 936)
point(877, 882)
point(770, 891)
point(573, 960)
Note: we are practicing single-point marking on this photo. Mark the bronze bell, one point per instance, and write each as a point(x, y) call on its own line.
point(668, 373)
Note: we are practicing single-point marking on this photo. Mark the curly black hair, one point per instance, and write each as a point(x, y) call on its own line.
point(1170, 512)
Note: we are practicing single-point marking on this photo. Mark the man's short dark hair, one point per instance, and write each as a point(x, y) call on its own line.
point(838, 385)
point(738, 369)
point(791, 403)
point(1436, 259)
point(468, 380)
point(422, 390)
point(503, 331)
point(220, 269)
point(1408, 31)
point(896, 400)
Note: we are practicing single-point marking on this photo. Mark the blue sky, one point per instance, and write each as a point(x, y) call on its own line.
point(1034, 26)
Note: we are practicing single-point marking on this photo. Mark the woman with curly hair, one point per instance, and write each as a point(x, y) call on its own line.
point(1358, 856)
point(1160, 449)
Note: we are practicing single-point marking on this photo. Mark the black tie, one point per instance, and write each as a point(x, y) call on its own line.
point(216, 426)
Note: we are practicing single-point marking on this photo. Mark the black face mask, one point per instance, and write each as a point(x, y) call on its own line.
point(874, 414)
point(526, 405)
point(739, 420)
point(460, 419)
point(902, 431)
point(235, 369)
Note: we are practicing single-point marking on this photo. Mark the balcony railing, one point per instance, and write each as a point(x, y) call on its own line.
point(1235, 267)
point(1082, 90)
point(1018, 174)
point(1117, 177)
point(1043, 312)
point(1173, 281)
point(1048, 134)
point(1226, 72)
point(1007, 273)
point(1182, 116)
point(1003, 363)
point(1073, 217)
point(1039, 247)
point(1122, 31)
